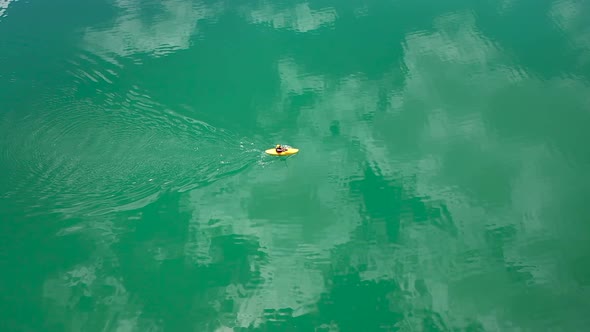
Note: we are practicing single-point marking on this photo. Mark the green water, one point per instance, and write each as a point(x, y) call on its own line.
point(442, 182)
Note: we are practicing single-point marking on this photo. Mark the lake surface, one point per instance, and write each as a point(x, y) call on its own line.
point(442, 181)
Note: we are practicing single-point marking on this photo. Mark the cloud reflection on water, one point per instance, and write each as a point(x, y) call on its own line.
point(451, 128)
point(171, 30)
point(426, 151)
point(300, 18)
point(4, 7)
point(572, 16)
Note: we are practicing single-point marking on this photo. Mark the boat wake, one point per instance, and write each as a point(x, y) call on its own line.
point(79, 158)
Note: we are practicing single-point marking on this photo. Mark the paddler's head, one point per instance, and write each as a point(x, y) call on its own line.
point(278, 146)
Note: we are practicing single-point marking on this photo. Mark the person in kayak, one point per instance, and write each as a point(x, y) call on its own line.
point(279, 148)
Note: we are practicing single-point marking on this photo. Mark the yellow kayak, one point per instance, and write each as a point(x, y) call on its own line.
point(290, 151)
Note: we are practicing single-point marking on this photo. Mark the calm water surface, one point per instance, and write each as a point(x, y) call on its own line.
point(442, 183)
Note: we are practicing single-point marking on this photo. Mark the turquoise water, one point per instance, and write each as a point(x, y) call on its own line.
point(441, 183)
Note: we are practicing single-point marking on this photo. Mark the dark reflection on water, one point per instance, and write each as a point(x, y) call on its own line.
point(175, 295)
point(556, 23)
point(29, 253)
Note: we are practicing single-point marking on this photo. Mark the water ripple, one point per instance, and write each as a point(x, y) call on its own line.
point(122, 154)
point(86, 68)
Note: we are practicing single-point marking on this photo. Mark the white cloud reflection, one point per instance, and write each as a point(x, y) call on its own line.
point(292, 274)
point(170, 30)
point(437, 64)
point(4, 7)
point(300, 18)
point(572, 17)
point(292, 277)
